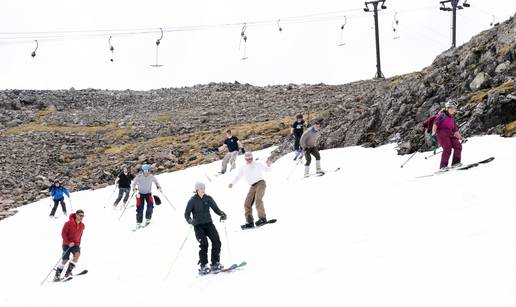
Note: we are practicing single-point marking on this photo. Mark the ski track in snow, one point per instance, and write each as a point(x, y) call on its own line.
point(368, 235)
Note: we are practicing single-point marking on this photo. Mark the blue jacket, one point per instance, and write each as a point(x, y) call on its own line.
point(57, 192)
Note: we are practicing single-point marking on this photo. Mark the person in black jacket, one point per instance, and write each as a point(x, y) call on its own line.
point(124, 186)
point(199, 206)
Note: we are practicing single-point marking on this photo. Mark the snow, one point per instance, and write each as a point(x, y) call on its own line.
point(370, 234)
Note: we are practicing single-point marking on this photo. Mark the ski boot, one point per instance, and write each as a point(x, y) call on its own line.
point(147, 222)
point(57, 277)
point(204, 269)
point(456, 165)
point(261, 221)
point(216, 267)
point(68, 273)
point(247, 226)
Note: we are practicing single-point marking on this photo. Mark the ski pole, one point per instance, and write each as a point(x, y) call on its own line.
point(53, 268)
point(170, 203)
point(178, 252)
point(110, 195)
point(227, 239)
point(126, 205)
point(299, 161)
point(411, 156)
point(208, 177)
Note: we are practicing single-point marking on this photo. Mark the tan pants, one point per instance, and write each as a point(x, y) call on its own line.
point(230, 157)
point(255, 195)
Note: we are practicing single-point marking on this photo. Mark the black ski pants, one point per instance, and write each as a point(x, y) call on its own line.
point(297, 138)
point(56, 203)
point(311, 151)
point(121, 193)
point(202, 233)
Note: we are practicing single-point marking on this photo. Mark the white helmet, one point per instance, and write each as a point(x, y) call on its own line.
point(450, 105)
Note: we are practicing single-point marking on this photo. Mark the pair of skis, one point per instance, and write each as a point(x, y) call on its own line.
point(65, 279)
point(460, 168)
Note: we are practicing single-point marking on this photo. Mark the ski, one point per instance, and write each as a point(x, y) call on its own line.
point(298, 155)
point(460, 168)
point(230, 268)
point(323, 173)
point(65, 279)
point(144, 225)
point(226, 270)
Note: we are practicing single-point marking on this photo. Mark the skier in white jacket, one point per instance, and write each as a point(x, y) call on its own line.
point(252, 171)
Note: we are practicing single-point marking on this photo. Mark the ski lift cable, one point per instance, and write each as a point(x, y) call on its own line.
point(135, 31)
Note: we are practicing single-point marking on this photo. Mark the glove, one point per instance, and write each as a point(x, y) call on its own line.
point(242, 150)
point(190, 221)
point(223, 217)
point(135, 190)
point(159, 189)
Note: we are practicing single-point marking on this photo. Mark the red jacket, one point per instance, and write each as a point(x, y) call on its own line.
point(72, 232)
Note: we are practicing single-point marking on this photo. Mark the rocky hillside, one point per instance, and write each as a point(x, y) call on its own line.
point(83, 137)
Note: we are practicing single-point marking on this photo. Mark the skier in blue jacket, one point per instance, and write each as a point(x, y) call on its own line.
point(57, 192)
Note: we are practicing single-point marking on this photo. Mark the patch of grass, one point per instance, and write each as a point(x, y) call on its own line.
point(55, 128)
point(120, 133)
point(164, 117)
point(480, 95)
point(507, 49)
point(43, 114)
point(119, 149)
point(510, 129)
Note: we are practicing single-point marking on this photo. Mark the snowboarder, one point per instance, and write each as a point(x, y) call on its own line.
point(199, 206)
point(71, 234)
point(124, 186)
point(296, 130)
point(233, 146)
point(308, 143)
point(57, 192)
point(252, 172)
point(143, 184)
point(448, 135)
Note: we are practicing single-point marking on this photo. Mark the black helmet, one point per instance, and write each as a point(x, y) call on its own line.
point(299, 116)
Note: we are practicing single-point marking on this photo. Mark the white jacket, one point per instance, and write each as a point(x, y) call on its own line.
point(252, 172)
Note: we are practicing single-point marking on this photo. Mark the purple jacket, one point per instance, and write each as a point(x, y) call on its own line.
point(445, 123)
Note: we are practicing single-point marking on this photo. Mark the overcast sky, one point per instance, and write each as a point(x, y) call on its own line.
point(305, 52)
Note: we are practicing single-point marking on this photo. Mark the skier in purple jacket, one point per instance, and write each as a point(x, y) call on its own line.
point(448, 135)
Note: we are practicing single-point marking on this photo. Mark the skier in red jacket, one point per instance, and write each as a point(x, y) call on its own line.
point(72, 234)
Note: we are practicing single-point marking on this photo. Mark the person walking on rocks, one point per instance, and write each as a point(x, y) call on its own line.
point(57, 192)
point(124, 186)
point(72, 235)
point(252, 171)
point(143, 185)
point(233, 146)
point(448, 136)
point(199, 206)
point(308, 143)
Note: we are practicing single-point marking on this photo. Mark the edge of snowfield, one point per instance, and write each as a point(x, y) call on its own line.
point(368, 235)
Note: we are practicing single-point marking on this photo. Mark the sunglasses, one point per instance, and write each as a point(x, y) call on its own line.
point(81, 215)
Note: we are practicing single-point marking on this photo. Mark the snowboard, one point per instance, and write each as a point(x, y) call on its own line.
point(271, 221)
point(460, 168)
